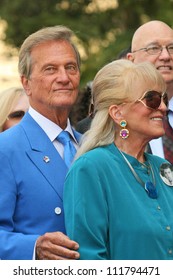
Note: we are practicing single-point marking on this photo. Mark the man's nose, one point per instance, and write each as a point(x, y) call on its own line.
point(62, 75)
point(165, 53)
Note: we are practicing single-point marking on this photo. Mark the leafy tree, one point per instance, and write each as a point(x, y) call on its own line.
point(102, 31)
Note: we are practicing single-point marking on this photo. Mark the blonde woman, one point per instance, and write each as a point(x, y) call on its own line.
point(116, 204)
point(13, 103)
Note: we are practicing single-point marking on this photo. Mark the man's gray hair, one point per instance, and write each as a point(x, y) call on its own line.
point(53, 33)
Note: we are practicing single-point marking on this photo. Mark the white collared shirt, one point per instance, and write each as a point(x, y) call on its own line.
point(156, 145)
point(52, 130)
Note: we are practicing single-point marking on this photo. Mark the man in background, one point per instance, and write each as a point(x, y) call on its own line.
point(153, 41)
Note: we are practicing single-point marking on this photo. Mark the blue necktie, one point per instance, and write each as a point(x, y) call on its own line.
point(69, 149)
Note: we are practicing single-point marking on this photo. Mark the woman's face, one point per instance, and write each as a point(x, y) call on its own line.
point(17, 112)
point(143, 122)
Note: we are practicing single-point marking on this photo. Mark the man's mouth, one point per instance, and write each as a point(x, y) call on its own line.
point(164, 67)
point(157, 119)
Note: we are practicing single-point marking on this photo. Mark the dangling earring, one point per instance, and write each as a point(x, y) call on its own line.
point(124, 133)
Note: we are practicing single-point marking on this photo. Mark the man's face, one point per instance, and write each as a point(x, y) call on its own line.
point(154, 35)
point(54, 80)
point(168, 174)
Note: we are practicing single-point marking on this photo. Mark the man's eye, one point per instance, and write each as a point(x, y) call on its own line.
point(50, 69)
point(170, 47)
point(71, 67)
point(154, 48)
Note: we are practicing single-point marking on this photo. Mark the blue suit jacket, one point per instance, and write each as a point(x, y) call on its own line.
point(31, 188)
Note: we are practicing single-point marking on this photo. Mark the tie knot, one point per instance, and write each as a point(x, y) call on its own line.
point(64, 137)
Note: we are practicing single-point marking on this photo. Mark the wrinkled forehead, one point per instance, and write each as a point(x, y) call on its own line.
point(148, 34)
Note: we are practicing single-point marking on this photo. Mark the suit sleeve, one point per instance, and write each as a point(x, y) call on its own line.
point(13, 244)
point(86, 210)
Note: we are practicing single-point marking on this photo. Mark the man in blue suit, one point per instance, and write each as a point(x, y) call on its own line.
point(33, 169)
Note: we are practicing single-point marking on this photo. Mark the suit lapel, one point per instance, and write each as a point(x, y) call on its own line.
point(44, 155)
point(52, 168)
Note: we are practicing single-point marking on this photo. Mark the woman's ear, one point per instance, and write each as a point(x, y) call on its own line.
point(115, 113)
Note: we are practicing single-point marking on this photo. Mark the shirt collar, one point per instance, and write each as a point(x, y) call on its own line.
point(50, 128)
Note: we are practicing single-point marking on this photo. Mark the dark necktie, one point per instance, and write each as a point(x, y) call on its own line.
point(69, 149)
point(168, 140)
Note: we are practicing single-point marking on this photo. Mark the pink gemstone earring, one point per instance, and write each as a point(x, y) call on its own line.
point(124, 133)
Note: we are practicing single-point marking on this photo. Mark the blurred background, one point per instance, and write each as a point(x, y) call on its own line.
point(103, 28)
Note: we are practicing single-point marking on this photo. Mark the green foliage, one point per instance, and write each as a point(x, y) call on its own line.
point(102, 33)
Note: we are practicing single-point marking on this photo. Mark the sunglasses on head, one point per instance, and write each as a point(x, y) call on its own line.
point(16, 115)
point(152, 99)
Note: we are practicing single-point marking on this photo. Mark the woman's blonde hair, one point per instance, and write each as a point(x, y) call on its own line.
point(8, 98)
point(114, 84)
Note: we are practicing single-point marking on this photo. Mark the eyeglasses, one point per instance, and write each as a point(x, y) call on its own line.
point(153, 99)
point(153, 50)
point(16, 115)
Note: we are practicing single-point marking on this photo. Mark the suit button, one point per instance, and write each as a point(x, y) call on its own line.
point(58, 210)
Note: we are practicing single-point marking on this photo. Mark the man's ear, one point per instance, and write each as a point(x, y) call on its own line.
point(115, 113)
point(130, 56)
point(25, 83)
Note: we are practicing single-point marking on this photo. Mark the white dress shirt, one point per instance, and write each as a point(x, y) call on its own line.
point(52, 130)
point(156, 145)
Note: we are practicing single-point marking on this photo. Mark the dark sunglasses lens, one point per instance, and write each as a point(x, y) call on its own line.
point(16, 115)
point(153, 99)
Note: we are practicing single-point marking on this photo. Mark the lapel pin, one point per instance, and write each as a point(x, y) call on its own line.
point(46, 159)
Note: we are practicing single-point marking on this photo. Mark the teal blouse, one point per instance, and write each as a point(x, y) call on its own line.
point(110, 215)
